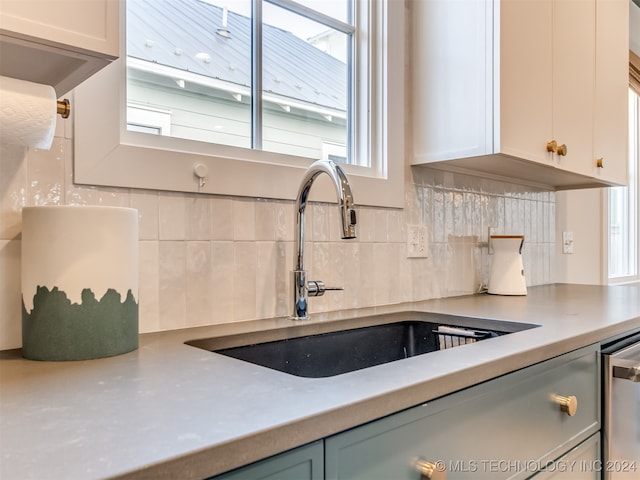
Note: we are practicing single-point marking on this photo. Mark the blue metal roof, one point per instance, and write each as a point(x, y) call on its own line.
point(291, 67)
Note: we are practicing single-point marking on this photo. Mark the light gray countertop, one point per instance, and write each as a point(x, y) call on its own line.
point(170, 410)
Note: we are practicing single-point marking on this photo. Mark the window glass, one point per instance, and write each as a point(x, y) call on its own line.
point(623, 208)
point(305, 84)
point(193, 59)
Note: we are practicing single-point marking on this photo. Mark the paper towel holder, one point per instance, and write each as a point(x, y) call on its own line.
point(63, 108)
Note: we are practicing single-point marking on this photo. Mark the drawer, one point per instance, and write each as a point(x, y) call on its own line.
point(302, 463)
point(580, 463)
point(502, 428)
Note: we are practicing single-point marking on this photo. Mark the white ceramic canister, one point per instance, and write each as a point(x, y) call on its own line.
point(79, 282)
point(507, 270)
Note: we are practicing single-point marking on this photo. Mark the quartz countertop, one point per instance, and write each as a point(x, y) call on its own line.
point(170, 410)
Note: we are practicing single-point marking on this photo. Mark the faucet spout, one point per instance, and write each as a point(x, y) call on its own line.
point(347, 224)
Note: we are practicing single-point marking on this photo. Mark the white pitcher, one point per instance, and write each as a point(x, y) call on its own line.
point(507, 271)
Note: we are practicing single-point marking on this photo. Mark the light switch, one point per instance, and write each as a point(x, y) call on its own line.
point(417, 243)
point(567, 242)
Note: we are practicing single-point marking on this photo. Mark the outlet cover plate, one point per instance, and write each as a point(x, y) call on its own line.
point(417, 243)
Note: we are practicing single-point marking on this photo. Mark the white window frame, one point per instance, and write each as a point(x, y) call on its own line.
point(106, 154)
point(634, 154)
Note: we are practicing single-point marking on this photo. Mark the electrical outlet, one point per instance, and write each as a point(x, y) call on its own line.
point(417, 243)
point(567, 242)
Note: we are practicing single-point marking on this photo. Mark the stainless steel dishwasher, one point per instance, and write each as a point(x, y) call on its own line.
point(621, 409)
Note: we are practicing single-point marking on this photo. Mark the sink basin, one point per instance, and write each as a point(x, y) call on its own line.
point(333, 348)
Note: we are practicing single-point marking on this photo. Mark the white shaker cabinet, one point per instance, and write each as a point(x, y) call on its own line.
point(452, 82)
point(547, 59)
point(57, 42)
point(611, 117)
point(542, 82)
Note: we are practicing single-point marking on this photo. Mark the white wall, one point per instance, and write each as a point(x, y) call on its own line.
point(581, 212)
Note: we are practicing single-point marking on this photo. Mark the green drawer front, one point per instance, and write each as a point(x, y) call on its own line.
point(580, 463)
point(504, 428)
point(304, 463)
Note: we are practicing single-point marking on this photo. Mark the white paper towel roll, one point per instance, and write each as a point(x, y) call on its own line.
point(27, 113)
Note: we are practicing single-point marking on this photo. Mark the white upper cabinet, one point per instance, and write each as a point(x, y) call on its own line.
point(57, 42)
point(528, 90)
point(453, 87)
point(611, 116)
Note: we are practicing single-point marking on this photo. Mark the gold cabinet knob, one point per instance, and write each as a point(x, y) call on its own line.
point(562, 150)
point(568, 405)
point(600, 163)
point(553, 146)
point(431, 470)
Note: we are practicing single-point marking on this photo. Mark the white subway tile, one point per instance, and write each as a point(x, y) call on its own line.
point(45, 174)
point(10, 295)
point(244, 281)
point(222, 222)
point(172, 285)
point(199, 283)
point(149, 286)
point(244, 223)
point(266, 279)
point(317, 219)
point(198, 217)
point(13, 189)
point(265, 218)
point(223, 278)
point(146, 202)
point(172, 211)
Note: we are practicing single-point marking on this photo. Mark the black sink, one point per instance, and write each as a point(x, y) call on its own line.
point(349, 349)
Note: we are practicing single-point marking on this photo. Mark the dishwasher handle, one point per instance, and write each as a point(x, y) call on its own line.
point(626, 369)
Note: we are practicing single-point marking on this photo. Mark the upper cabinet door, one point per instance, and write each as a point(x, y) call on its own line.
point(525, 36)
point(611, 115)
point(452, 79)
point(57, 42)
point(573, 82)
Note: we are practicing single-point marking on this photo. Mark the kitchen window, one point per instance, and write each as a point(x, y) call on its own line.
point(320, 79)
point(624, 245)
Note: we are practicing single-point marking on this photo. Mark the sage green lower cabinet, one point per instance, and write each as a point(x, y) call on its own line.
point(507, 428)
point(519, 426)
point(580, 463)
point(303, 463)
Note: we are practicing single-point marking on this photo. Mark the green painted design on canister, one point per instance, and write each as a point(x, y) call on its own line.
point(58, 330)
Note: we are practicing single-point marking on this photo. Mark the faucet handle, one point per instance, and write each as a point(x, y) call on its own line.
point(316, 288)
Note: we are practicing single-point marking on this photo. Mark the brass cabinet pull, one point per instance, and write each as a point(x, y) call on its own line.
point(600, 163)
point(553, 146)
point(431, 470)
point(568, 405)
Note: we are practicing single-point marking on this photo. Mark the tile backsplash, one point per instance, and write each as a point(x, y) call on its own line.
point(211, 259)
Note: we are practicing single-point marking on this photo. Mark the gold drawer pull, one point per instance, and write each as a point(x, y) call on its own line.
point(568, 405)
point(600, 163)
point(431, 470)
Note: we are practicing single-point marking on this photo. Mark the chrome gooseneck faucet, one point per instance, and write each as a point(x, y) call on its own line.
point(302, 288)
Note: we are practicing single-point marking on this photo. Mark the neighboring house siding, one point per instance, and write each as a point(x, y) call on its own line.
point(199, 117)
